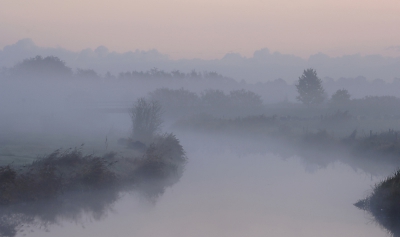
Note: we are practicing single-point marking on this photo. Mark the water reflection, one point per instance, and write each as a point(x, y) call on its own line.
point(64, 186)
point(69, 207)
point(383, 204)
point(228, 193)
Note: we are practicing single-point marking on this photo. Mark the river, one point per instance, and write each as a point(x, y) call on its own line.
point(230, 189)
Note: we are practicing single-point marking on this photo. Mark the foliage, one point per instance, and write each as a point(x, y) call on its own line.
point(163, 164)
point(39, 67)
point(212, 97)
point(175, 98)
point(65, 184)
point(310, 88)
point(245, 98)
point(146, 120)
point(50, 176)
point(384, 203)
point(340, 97)
point(87, 74)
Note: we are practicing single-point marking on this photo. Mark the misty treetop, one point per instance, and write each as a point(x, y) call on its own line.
point(53, 67)
point(310, 88)
point(38, 67)
point(146, 120)
point(341, 97)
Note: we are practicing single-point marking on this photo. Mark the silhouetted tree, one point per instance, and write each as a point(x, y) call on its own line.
point(310, 88)
point(178, 74)
point(146, 120)
point(39, 67)
point(341, 97)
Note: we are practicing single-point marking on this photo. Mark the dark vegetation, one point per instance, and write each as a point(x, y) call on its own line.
point(361, 130)
point(146, 120)
point(39, 68)
point(273, 90)
point(52, 67)
point(310, 88)
point(384, 205)
point(178, 103)
point(68, 184)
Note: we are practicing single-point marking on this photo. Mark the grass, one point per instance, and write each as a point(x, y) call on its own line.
point(384, 203)
point(67, 183)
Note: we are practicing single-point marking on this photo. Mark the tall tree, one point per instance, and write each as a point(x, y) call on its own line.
point(310, 88)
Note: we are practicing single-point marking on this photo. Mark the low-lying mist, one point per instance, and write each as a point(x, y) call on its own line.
point(228, 189)
point(258, 164)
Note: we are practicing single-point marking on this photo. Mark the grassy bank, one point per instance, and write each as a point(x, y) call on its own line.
point(65, 184)
point(384, 204)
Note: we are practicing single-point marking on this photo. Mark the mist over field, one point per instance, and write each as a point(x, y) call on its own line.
point(103, 143)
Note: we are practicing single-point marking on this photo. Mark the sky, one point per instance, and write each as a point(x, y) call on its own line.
point(207, 29)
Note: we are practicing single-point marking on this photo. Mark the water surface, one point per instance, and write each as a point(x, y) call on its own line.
point(228, 189)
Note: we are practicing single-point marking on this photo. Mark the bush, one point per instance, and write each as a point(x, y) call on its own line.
point(39, 68)
point(146, 120)
point(341, 97)
point(384, 203)
point(65, 184)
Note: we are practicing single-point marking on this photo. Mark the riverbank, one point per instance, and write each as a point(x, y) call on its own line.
point(314, 139)
point(66, 183)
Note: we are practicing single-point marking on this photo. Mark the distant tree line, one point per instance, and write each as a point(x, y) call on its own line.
point(175, 74)
point(311, 90)
point(181, 102)
point(52, 67)
point(183, 98)
point(311, 93)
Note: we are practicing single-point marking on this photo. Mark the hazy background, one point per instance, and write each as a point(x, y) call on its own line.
point(207, 29)
point(264, 65)
point(229, 187)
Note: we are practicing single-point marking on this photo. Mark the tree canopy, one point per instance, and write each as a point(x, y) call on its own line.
point(310, 88)
point(341, 97)
point(146, 120)
point(39, 67)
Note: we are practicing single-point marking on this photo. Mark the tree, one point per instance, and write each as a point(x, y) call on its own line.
point(310, 88)
point(39, 67)
point(146, 120)
point(171, 98)
point(213, 97)
point(245, 98)
point(86, 74)
point(340, 97)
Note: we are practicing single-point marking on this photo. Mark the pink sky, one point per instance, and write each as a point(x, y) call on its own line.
point(207, 29)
